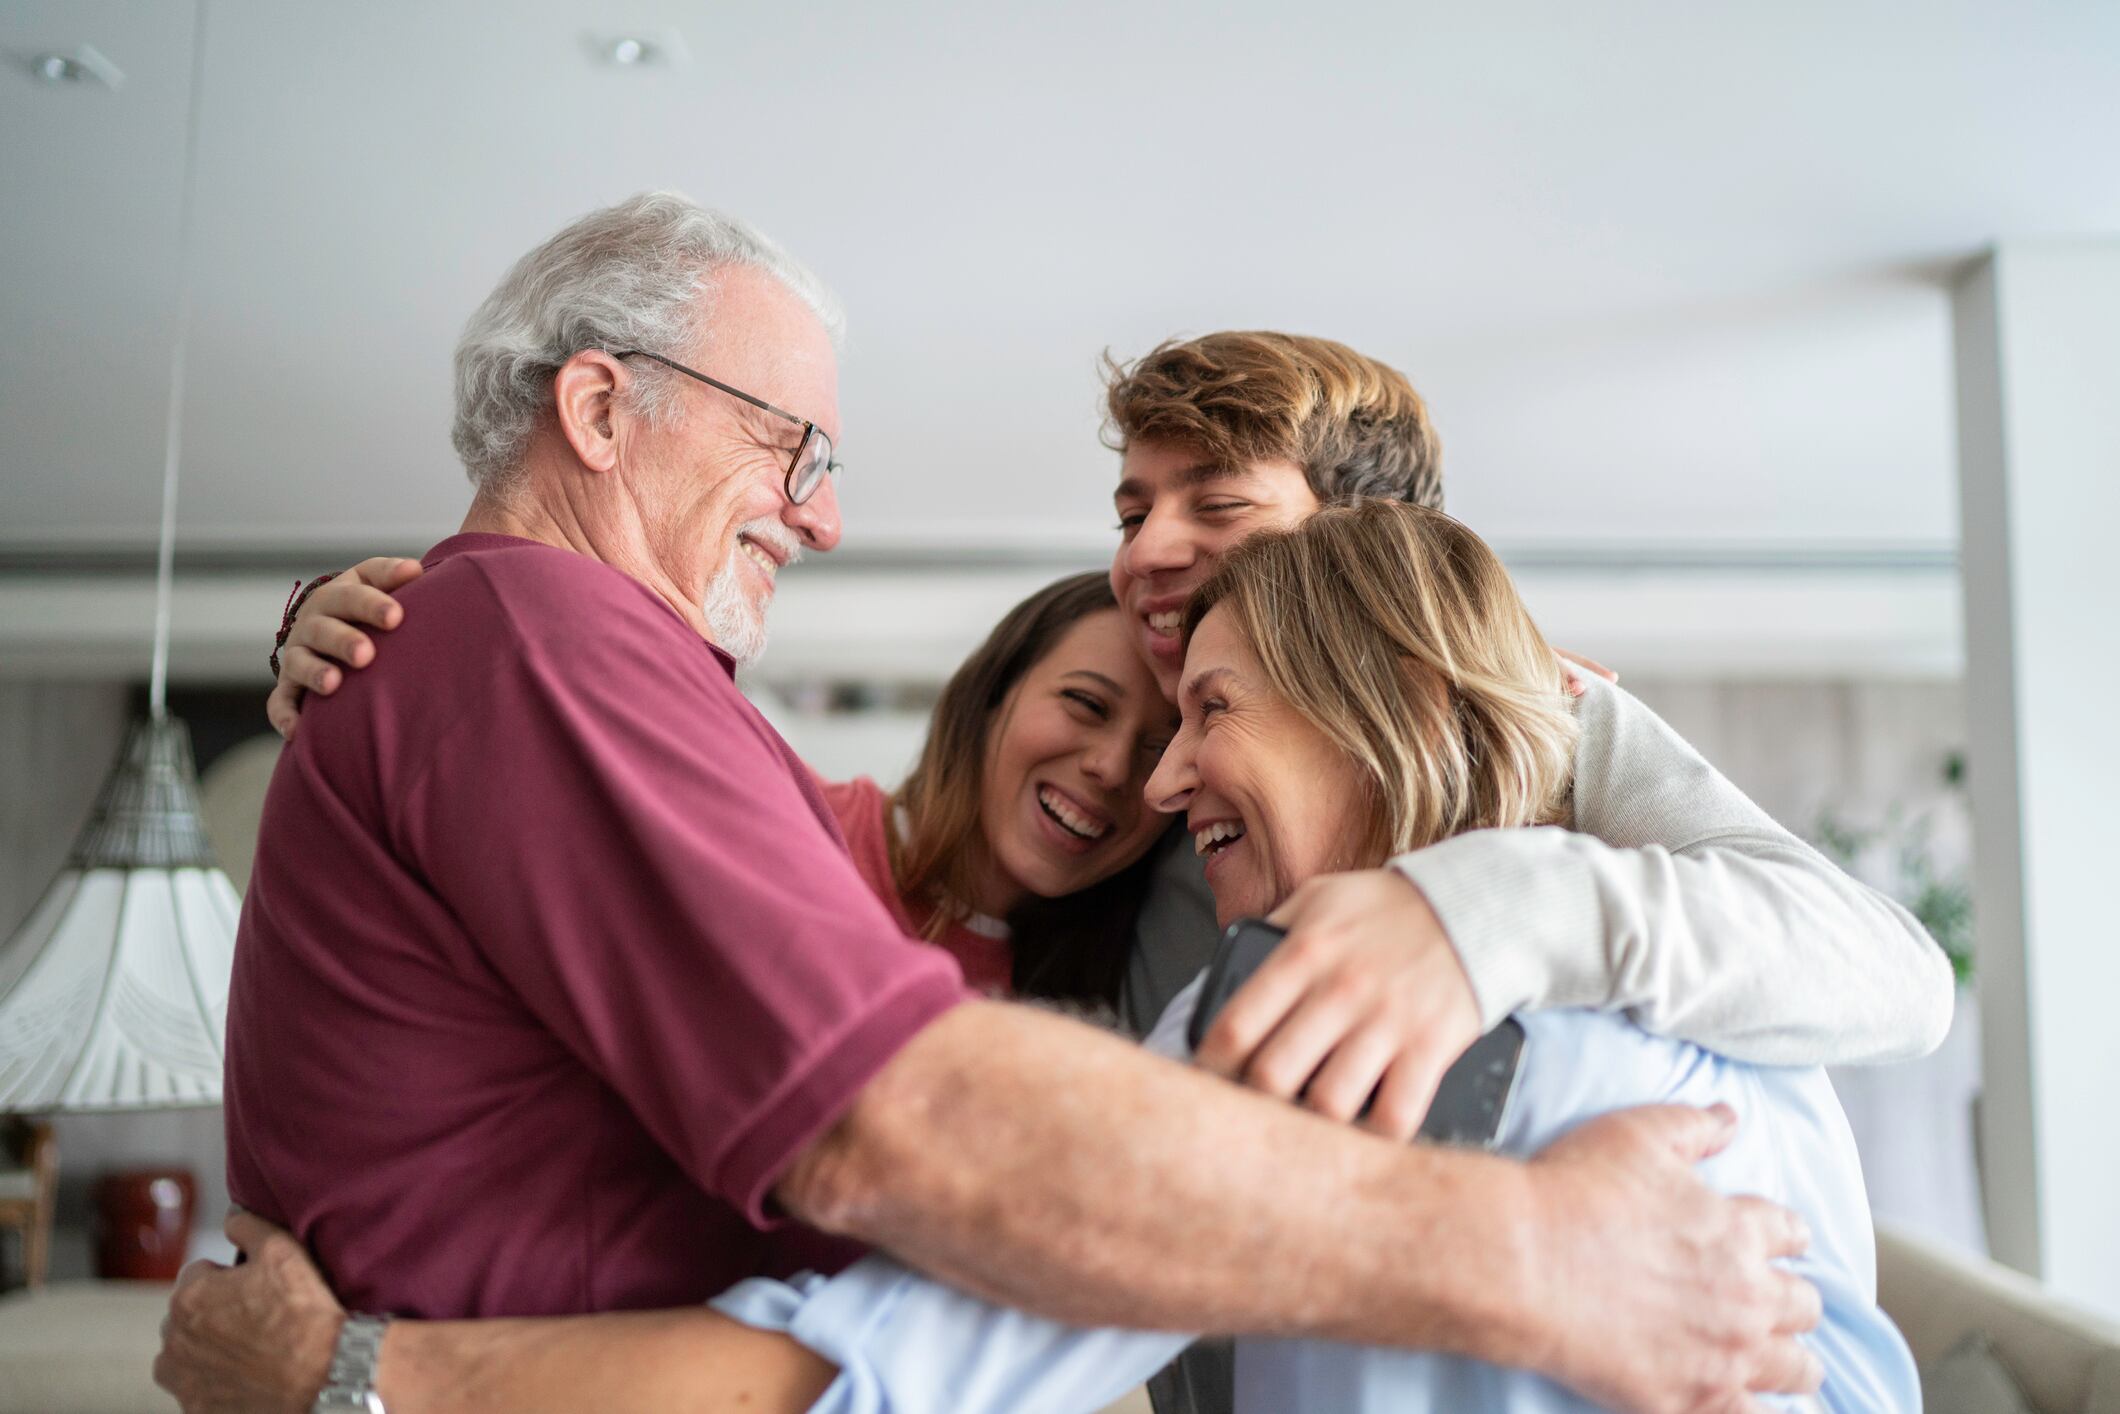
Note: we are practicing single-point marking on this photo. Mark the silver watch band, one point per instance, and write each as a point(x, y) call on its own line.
point(350, 1386)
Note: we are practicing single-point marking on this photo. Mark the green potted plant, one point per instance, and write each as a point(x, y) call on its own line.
point(1939, 897)
point(1913, 1122)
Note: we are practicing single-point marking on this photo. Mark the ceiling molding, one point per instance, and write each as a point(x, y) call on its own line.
point(912, 557)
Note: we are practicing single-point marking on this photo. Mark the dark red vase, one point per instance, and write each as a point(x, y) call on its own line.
point(143, 1224)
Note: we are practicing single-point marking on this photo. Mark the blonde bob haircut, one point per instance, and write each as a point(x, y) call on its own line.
point(1396, 632)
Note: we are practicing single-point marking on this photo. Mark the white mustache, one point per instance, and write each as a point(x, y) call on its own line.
point(775, 537)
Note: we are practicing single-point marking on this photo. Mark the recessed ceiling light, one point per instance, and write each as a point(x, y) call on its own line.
point(639, 49)
point(82, 64)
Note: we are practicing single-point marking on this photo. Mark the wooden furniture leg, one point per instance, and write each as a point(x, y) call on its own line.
point(36, 1154)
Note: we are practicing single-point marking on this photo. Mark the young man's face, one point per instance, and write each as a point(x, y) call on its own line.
point(1179, 513)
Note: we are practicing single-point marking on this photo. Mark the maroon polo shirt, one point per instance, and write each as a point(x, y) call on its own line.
point(552, 959)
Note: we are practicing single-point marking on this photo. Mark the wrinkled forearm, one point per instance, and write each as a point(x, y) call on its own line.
point(1043, 1165)
point(690, 1361)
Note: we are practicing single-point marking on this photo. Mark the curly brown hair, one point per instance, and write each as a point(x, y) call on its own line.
point(1355, 426)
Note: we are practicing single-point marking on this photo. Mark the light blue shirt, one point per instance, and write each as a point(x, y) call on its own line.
point(906, 1343)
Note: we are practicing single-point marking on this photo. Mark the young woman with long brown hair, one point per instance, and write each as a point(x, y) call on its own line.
point(1016, 842)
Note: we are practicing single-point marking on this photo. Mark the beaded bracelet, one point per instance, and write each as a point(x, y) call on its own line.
point(296, 598)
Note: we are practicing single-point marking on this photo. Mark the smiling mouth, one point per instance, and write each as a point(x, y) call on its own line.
point(1211, 840)
point(1062, 812)
point(760, 555)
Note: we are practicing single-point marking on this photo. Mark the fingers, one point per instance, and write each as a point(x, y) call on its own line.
point(386, 572)
point(1255, 1011)
point(1800, 1308)
point(1408, 1092)
point(1263, 1003)
point(1689, 1133)
point(249, 1232)
point(328, 637)
point(1788, 1367)
point(305, 671)
point(283, 708)
point(354, 602)
point(1284, 1063)
point(1342, 1086)
point(1781, 1233)
point(1588, 664)
point(195, 1271)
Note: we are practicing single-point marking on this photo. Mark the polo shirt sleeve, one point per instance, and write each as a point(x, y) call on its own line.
point(630, 851)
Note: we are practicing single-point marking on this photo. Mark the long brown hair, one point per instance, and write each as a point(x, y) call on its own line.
point(1395, 631)
point(1072, 948)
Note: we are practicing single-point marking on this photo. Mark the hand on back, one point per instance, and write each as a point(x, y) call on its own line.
point(327, 638)
point(1660, 1295)
point(1656, 1293)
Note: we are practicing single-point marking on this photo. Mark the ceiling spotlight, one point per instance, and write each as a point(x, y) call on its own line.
point(83, 65)
point(639, 49)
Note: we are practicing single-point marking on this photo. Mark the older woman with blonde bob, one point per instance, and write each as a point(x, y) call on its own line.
point(1371, 684)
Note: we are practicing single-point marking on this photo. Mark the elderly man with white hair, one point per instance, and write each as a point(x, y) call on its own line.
point(557, 992)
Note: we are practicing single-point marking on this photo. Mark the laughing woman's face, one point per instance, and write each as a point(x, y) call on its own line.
point(1269, 799)
point(1061, 805)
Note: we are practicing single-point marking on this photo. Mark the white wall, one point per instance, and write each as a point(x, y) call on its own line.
point(2038, 363)
point(1667, 277)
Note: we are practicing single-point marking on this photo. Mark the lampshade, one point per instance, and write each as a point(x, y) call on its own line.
point(114, 993)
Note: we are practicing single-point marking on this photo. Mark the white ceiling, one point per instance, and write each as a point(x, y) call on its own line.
point(1669, 273)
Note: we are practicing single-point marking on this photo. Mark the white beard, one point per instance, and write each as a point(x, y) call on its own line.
point(736, 622)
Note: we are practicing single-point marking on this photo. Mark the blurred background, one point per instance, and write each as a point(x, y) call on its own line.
point(1688, 289)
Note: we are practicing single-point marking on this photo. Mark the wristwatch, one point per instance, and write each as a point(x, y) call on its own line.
point(350, 1387)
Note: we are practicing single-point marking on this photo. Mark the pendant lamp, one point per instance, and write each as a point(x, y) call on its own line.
point(114, 993)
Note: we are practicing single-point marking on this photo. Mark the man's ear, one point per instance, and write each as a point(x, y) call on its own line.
point(584, 393)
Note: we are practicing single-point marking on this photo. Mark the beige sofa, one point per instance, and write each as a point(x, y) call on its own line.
point(2065, 1360)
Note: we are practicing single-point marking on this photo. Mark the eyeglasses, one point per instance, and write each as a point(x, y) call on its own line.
point(812, 461)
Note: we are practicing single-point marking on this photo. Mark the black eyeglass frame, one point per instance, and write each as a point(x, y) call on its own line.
point(809, 428)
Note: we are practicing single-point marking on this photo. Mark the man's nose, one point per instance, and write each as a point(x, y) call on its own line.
point(1161, 543)
point(817, 519)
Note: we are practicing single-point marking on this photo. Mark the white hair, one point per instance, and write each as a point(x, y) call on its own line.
point(631, 276)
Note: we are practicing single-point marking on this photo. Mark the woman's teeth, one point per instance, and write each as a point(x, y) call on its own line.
point(1071, 819)
point(1167, 623)
point(1213, 837)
